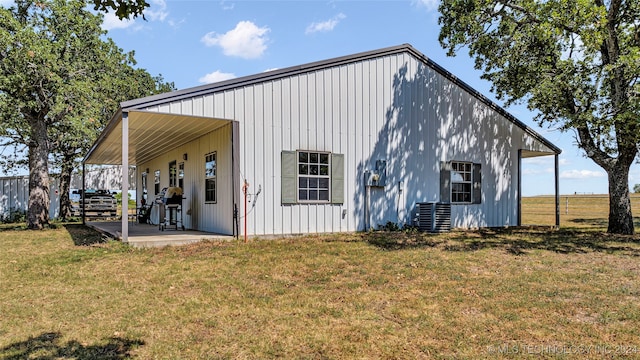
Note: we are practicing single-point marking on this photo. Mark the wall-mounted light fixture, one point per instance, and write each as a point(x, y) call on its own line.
point(184, 156)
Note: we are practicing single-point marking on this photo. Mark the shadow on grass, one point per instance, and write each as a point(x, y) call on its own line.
point(599, 222)
point(48, 346)
point(517, 241)
point(396, 240)
point(84, 236)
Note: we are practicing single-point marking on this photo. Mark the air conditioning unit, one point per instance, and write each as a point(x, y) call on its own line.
point(434, 217)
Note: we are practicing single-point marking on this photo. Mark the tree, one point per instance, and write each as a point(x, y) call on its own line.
point(57, 86)
point(124, 8)
point(636, 188)
point(76, 134)
point(575, 61)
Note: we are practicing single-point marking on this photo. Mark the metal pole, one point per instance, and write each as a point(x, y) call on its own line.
point(125, 178)
point(245, 188)
point(84, 222)
point(557, 174)
point(519, 197)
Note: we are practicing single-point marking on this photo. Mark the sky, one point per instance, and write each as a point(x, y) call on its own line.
point(195, 42)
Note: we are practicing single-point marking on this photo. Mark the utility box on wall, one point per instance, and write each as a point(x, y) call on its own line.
point(377, 177)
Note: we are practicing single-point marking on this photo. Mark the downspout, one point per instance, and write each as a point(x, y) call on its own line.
point(367, 194)
point(557, 174)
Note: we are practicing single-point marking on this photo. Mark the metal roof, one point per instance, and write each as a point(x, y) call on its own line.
point(147, 131)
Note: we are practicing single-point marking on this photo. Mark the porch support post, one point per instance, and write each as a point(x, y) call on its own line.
point(82, 195)
point(519, 197)
point(557, 174)
point(125, 177)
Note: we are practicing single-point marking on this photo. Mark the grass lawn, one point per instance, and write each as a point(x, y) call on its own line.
point(575, 210)
point(64, 293)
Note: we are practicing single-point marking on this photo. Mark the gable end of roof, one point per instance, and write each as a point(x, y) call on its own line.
point(319, 65)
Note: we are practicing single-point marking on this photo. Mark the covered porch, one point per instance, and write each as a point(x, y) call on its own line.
point(135, 137)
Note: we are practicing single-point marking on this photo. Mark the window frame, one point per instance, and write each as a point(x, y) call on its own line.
point(156, 182)
point(173, 173)
point(313, 180)
point(181, 175)
point(464, 187)
point(211, 178)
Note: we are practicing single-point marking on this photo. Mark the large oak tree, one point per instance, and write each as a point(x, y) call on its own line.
point(577, 62)
point(59, 83)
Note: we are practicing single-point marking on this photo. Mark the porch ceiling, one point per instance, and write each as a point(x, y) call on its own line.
point(529, 153)
point(150, 135)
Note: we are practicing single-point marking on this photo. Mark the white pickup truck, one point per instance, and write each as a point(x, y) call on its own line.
point(97, 204)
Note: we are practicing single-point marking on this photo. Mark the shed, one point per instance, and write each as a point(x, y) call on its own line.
point(344, 144)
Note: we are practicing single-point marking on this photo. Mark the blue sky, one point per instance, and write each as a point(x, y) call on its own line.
point(201, 41)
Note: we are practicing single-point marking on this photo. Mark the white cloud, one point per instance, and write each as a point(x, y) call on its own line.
point(226, 6)
point(111, 21)
point(216, 76)
point(537, 171)
point(246, 40)
point(429, 4)
point(581, 174)
point(325, 26)
point(157, 11)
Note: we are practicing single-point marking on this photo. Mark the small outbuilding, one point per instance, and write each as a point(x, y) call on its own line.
point(344, 144)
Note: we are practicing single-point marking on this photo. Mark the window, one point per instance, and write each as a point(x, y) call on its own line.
point(173, 174)
point(144, 186)
point(156, 181)
point(460, 182)
point(181, 175)
point(210, 177)
point(313, 176)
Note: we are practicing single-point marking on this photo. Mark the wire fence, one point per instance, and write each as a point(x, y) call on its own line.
point(578, 210)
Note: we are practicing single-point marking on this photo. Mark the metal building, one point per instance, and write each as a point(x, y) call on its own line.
point(344, 144)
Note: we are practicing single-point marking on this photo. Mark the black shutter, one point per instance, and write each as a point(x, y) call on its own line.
point(476, 191)
point(445, 182)
point(289, 187)
point(337, 178)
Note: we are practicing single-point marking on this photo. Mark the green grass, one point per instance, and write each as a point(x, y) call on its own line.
point(67, 294)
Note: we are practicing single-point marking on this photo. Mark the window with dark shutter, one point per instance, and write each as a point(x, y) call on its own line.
point(312, 177)
point(288, 189)
point(460, 182)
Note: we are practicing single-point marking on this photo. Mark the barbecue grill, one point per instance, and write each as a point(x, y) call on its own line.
point(170, 208)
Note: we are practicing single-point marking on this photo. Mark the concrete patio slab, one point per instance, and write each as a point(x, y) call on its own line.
point(145, 235)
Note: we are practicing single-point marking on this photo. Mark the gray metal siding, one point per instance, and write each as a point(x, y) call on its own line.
point(392, 108)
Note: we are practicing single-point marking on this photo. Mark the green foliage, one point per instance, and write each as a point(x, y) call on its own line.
point(130, 201)
point(389, 226)
point(60, 82)
point(14, 216)
point(636, 188)
point(124, 8)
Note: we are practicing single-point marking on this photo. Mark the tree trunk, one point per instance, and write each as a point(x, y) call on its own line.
point(39, 200)
point(620, 217)
point(65, 187)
